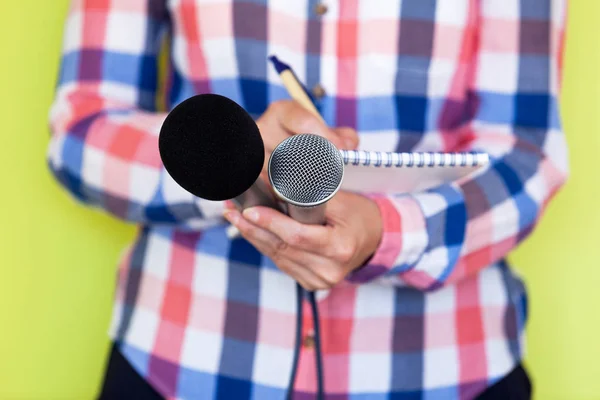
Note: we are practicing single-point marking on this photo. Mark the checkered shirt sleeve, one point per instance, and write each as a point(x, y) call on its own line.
point(104, 119)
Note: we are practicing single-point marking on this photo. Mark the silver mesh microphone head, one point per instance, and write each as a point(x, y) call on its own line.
point(306, 170)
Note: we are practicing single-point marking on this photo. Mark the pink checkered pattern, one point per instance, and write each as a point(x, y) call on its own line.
point(437, 313)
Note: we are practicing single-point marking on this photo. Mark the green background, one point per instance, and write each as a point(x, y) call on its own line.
point(58, 259)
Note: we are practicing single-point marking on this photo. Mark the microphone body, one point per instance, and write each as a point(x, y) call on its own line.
point(308, 215)
point(306, 171)
point(257, 195)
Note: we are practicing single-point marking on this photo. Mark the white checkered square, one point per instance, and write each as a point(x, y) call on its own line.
point(370, 10)
point(297, 9)
point(180, 55)
point(117, 92)
point(498, 72)
point(413, 246)
point(372, 301)
point(499, 359)
point(143, 329)
point(378, 141)
point(329, 73)
point(279, 291)
point(92, 167)
point(453, 12)
point(219, 53)
point(492, 291)
point(120, 26)
point(505, 220)
point(434, 262)
point(441, 77)
point(73, 32)
point(272, 365)
point(536, 187)
point(505, 9)
point(441, 301)
point(376, 74)
point(143, 183)
point(210, 276)
point(363, 377)
point(201, 350)
point(172, 192)
point(158, 256)
point(432, 203)
point(441, 367)
point(554, 146)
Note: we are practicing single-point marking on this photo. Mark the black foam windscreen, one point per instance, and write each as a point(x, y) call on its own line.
point(211, 147)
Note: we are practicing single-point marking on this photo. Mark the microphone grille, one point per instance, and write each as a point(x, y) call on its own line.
point(306, 170)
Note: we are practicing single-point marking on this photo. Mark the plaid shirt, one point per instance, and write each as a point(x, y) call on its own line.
point(437, 313)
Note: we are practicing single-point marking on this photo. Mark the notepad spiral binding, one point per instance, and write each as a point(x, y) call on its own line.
point(416, 159)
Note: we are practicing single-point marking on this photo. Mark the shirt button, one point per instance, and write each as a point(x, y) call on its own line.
point(308, 341)
point(318, 91)
point(320, 9)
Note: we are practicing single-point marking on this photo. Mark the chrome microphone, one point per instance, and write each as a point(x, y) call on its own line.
point(305, 172)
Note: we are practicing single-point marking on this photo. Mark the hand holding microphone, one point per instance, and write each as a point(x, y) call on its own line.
point(318, 257)
point(327, 233)
point(212, 148)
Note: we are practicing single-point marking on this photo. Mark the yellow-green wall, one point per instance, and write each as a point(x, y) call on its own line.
point(57, 259)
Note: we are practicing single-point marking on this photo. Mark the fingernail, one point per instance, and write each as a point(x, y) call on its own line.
point(231, 216)
point(251, 214)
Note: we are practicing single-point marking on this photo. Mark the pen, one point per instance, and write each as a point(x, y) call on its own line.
point(293, 86)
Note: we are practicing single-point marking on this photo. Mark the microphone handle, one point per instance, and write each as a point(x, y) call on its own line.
point(258, 195)
point(307, 215)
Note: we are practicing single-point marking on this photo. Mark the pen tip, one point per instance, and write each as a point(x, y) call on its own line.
point(279, 66)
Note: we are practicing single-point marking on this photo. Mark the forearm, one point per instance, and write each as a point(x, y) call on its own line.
point(105, 153)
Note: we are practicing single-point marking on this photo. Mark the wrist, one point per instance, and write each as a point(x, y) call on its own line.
point(375, 231)
point(378, 261)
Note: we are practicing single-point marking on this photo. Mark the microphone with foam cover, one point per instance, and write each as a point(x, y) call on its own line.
point(213, 149)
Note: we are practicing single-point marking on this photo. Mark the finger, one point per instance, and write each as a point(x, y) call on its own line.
point(305, 277)
point(349, 137)
point(296, 119)
point(315, 239)
point(266, 242)
point(271, 244)
point(289, 260)
point(229, 205)
point(331, 274)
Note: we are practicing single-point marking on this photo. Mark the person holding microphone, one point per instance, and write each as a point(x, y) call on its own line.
point(418, 300)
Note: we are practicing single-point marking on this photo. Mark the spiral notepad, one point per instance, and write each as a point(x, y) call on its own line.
point(386, 172)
